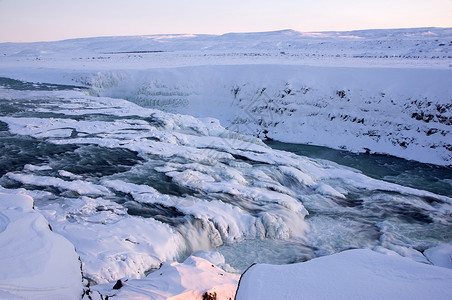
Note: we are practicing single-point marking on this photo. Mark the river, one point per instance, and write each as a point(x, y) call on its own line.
point(91, 162)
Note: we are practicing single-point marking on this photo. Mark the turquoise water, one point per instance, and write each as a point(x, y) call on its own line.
point(436, 179)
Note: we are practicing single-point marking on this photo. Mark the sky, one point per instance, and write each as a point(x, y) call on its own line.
point(49, 20)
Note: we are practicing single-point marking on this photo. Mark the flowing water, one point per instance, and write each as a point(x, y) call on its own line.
point(258, 228)
point(433, 178)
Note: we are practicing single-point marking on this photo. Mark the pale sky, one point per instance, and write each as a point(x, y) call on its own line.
point(46, 20)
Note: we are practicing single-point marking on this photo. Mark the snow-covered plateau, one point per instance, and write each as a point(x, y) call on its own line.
point(134, 166)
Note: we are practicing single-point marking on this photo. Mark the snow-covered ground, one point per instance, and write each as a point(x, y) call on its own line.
point(36, 263)
point(406, 48)
point(142, 190)
point(195, 278)
point(353, 274)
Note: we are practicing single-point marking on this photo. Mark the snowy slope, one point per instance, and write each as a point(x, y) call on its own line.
point(195, 278)
point(36, 263)
point(134, 186)
point(354, 274)
point(429, 47)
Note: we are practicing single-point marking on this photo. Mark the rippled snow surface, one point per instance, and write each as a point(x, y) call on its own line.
point(132, 187)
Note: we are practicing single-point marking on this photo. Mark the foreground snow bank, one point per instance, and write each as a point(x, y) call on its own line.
point(35, 262)
point(440, 255)
point(195, 278)
point(354, 274)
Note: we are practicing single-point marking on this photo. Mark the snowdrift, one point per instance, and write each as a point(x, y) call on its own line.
point(36, 263)
point(353, 274)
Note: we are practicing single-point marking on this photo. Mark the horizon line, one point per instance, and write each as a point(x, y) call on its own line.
point(222, 34)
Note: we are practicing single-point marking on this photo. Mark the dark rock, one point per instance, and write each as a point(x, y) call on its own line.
point(209, 296)
point(341, 94)
point(118, 285)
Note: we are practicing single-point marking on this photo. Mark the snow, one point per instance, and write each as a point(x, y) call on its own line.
point(353, 274)
point(440, 255)
point(36, 262)
point(256, 196)
point(112, 244)
point(197, 180)
point(397, 47)
point(78, 186)
point(188, 280)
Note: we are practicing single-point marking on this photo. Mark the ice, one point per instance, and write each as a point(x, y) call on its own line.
point(67, 174)
point(325, 189)
point(299, 175)
point(215, 258)
point(353, 274)
point(36, 262)
point(29, 167)
point(228, 222)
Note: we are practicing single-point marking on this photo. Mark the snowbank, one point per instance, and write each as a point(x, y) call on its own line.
point(195, 278)
point(35, 262)
point(354, 274)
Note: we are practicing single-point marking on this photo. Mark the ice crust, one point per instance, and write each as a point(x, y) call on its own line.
point(440, 255)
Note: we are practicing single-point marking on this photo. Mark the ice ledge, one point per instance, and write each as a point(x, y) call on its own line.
point(35, 262)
